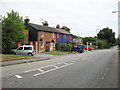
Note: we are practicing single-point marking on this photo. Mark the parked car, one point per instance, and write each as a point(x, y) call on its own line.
point(89, 48)
point(77, 48)
point(24, 50)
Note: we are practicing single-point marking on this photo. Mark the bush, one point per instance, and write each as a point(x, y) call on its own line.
point(63, 48)
point(47, 49)
point(58, 47)
point(68, 47)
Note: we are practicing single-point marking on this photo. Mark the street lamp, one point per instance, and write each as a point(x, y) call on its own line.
point(115, 11)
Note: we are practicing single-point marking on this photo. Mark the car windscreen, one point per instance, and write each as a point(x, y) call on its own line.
point(20, 48)
point(27, 48)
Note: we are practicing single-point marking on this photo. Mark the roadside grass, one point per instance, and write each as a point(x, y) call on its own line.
point(10, 57)
point(58, 53)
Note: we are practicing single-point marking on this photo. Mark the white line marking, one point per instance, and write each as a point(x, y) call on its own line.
point(56, 66)
point(18, 76)
point(104, 74)
point(30, 70)
point(51, 70)
point(41, 70)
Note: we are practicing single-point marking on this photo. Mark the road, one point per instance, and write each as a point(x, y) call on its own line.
point(87, 70)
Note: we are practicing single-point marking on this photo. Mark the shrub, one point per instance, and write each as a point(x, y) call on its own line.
point(58, 47)
point(63, 48)
point(68, 47)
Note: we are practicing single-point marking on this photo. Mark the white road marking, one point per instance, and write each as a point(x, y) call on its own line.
point(56, 66)
point(30, 70)
point(18, 76)
point(104, 74)
point(103, 77)
point(41, 70)
point(52, 69)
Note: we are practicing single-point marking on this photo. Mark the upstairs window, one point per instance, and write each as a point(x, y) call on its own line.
point(42, 34)
point(65, 36)
point(53, 35)
point(58, 35)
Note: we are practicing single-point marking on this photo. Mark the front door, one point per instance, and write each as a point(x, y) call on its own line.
point(51, 46)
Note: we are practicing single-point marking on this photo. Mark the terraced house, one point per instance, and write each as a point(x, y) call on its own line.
point(44, 37)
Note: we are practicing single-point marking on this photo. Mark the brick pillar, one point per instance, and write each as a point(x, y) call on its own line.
point(19, 44)
point(31, 43)
point(36, 47)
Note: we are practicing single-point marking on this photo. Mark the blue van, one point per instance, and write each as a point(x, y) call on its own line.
point(77, 48)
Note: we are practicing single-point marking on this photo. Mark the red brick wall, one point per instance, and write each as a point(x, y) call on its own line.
point(47, 36)
point(26, 37)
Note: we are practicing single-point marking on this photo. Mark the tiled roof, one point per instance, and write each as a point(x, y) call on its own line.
point(48, 29)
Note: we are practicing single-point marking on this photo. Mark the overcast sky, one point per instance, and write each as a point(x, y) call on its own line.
point(83, 17)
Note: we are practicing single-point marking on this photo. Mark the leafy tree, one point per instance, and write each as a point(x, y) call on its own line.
point(68, 47)
point(67, 29)
point(12, 31)
point(74, 36)
point(108, 35)
point(89, 39)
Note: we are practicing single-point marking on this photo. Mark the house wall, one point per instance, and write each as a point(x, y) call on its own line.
point(48, 36)
point(26, 37)
point(62, 39)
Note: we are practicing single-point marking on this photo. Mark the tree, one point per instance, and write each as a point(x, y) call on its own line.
point(108, 35)
point(12, 31)
point(67, 29)
point(74, 36)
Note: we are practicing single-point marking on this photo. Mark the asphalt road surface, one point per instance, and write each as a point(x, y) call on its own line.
point(87, 70)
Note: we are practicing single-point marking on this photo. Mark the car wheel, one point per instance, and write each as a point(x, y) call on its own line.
point(30, 54)
point(13, 53)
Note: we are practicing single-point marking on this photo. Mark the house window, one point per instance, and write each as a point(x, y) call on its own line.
point(53, 35)
point(58, 35)
point(42, 34)
point(47, 44)
point(70, 36)
point(42, 45)
point(65, 36)
point(53, 44)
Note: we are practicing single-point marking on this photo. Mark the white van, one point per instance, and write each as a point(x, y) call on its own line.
point(24, 50)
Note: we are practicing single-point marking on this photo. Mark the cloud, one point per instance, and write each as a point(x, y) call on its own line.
point(82, 16)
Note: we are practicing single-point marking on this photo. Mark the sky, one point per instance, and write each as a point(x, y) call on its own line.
point(83, 17)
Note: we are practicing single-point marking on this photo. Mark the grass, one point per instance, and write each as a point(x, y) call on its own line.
point(10, 57)
point(57, 53)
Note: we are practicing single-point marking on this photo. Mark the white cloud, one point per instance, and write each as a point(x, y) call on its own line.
point(82, 16)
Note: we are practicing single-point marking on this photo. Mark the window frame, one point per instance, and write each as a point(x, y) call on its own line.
point(42, 46)
point(53, 35)
point(42, 34)
point(58, 35)
point(65, 36)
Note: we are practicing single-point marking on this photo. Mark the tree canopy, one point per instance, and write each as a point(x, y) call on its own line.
point(12, 31)
point(107, 35)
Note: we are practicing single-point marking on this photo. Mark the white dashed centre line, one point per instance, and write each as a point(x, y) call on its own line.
point(18, 76)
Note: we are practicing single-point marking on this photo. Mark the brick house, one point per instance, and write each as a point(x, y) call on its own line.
point(44, 37)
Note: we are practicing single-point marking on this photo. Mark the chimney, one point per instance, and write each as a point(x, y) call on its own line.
point(58, 26)
point(45, 23)
point(63, 27)
point(27, 20)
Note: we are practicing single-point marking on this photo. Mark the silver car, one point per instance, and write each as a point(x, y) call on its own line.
point(24, 50)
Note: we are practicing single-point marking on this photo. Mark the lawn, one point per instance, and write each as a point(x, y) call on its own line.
point(10, 57)
point(57, 53)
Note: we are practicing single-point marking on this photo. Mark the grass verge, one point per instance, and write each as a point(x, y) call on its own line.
point(58, 53)
point(10, 57)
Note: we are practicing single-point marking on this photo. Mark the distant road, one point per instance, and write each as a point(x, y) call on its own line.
point(88, 70)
